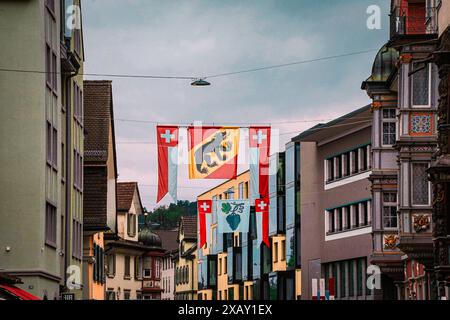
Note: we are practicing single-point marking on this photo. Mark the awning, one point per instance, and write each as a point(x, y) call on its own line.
point(21, 294)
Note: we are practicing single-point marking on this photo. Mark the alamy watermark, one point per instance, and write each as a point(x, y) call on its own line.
point(374, 20)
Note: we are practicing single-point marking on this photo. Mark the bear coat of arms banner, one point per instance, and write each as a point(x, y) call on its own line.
point(233, 215)
point(213, 152)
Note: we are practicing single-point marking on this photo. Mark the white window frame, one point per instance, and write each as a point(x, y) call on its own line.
point(430, 67)
point(389, 204)
point(412, 186)
point(388, 120)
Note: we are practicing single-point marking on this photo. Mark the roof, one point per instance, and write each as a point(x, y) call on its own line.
point(326, 130)
point(168, 238)
point(383, 68)
point(125, 193)
point(98, 126)
point(98, 121)
point(188, 226)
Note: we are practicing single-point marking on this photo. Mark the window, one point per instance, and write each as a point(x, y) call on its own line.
point(138, 267)
point(77, 170)
point(111, 265)
point(126, 294)
point(241, 191)
point(147, 267)
point(52, 145)
point(421, 85)
point(138, 295)
point(364, 214)
point(275, 252)
point(77, 235)
point(77, 41)
point(127, 267)
point(330, 163)
point(390, 210)
point(131, 224)
point(338, 213)
point(347, 163)
point(359, 277)
point(225, 264)
point(389, 127)
point(50, 224)
point(110, 295)
point(420, 184)
point(338, 160)
point(346, 159)
point(49, 143)
point(157, 268)
point(351, 280)
point(283, 250)
point(331, 221)
point(348, 217)
point(77, 103)
point(51, 60)
point(343, 279)
point(356, 215)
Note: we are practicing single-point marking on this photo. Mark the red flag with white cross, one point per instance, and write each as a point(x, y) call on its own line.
point(262, 220)
point(204, 207)
point(167, 140)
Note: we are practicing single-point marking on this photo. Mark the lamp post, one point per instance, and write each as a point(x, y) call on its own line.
point(200, 83)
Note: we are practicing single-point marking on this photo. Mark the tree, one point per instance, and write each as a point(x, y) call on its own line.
point(168, 217)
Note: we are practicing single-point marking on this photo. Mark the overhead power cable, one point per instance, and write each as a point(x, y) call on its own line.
point(280, 134)
point(140, 76)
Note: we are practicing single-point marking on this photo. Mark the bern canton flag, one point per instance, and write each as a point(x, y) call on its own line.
point(167, 137)
point(233, 215)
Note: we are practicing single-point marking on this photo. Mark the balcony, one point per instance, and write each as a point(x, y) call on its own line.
point(413, 19)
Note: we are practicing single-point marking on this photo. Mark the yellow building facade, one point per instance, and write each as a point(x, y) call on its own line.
point(237, 188)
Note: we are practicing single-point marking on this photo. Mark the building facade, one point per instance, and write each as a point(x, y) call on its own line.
point(170, 245)
point(440, 168)
point(185, 260)
point(284, 225)
point(336, 224)
point(42, 146)
point(404, 90)
point(100, 175)
point(133, 259)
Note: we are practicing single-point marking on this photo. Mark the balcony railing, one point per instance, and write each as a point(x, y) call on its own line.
point(405, 21)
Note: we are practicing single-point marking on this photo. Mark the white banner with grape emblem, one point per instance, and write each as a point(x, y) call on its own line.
point(233, 215)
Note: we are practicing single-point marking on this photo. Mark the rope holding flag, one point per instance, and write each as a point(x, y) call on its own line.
point(167, 140)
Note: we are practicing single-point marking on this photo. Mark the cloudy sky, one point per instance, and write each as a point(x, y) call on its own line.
point(201, 38)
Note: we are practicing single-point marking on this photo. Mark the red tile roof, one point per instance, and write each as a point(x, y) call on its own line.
point(168, 238)
point(98, 119)
point(189, 226)
point(98, 125)
point(125, 192)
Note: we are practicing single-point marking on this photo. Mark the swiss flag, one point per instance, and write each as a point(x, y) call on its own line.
point(262, 212)
point(259, 144)
point(204, 207)
point(167, 140)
